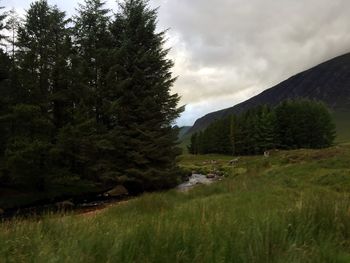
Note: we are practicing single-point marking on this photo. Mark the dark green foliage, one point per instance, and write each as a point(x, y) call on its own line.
point(38, 102)
point(304, 124)
point(146, 110)
point(290, 125)
point(87, 98)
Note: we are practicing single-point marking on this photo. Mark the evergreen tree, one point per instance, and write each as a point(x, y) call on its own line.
point(141, 78)
point(4, 76)
point(41, 84)
point(93, 45)
point(12, 25)
point(193, 147)
point(290, 125)
point(3, 26)
point(266, 129)
point(92, 152)
point(304, 124)
point(233, 133)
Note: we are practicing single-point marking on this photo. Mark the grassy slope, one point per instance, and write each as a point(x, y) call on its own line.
point(292, 207)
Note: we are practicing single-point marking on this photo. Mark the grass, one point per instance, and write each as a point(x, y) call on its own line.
point(291, 207)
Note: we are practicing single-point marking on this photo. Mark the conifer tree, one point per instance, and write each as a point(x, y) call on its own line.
point(290, 125)
point(3, 17)
point(142, 80)
point(41, 83)
point(91, 152)
point(93, 45)
point(193, 147)
point(4, 98)
point(233, 135)
point(266, 129)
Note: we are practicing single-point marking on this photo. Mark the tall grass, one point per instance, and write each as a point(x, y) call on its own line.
point(252, 217)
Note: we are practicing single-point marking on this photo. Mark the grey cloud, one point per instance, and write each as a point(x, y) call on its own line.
point(226, 51)
point(237, 48)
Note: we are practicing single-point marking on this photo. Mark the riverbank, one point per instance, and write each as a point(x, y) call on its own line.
point(291, 207)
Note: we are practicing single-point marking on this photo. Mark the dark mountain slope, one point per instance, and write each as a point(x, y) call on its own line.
point(183, 131)
point(328, 82)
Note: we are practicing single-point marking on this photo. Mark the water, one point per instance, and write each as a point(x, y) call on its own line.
point(195, 179)
point(93, 202)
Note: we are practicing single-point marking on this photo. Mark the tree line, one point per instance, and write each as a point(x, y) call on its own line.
point(87, 98)
point(292, 124)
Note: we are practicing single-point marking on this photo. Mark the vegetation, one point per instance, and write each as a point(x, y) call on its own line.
point(291, 207)
point(69, 116)
point(343, 126)
point(290, 125)
point(72, 120)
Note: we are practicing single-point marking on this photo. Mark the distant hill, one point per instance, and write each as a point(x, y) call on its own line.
point(328, 82)
point(183, 131)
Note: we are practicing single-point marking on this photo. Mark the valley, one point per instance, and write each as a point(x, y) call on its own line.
point(290, 207)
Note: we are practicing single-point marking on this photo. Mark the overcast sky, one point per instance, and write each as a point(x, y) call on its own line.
point(226, 51)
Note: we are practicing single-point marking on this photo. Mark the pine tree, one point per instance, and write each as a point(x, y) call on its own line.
point(233, 134)
point(304, 124)
point(3, 16)
point(193, 147)
point(4, 98)
point(92, 152)
point(266, 129)
point(93, 45)
point(40, 86)
point(142, 80)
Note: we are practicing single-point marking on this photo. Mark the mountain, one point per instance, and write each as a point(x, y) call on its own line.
point(183, 131)
point(328, 82)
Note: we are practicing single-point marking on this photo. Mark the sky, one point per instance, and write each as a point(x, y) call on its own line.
point(226, 51)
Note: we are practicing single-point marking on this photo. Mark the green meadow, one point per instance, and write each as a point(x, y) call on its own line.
point(291, 207)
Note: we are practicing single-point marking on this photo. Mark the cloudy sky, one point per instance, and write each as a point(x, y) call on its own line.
point(226, 51)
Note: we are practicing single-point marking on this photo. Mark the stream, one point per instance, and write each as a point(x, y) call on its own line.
point(194, 180)
point(88, 203)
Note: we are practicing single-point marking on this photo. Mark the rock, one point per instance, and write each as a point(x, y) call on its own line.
point(65, 205)
point(117, 191)
point(234, 161)
point(266, 154)
point(211, 176)
point(220, 174)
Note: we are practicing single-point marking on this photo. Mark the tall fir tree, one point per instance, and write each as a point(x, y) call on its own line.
point(4, 98)
point(93, 45)
point(290, 125)
point(41, 83)
point(193, 147)
point(3, 16)
point(91, 151)
point(142, 79)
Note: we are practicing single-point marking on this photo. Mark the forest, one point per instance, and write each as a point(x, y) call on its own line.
point(86, 98)
point(292, 124)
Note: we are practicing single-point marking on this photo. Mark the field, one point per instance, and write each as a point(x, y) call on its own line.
point(291, 207)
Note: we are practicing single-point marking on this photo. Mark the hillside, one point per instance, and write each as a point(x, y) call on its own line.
point(183, 131)
point(328, 82)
